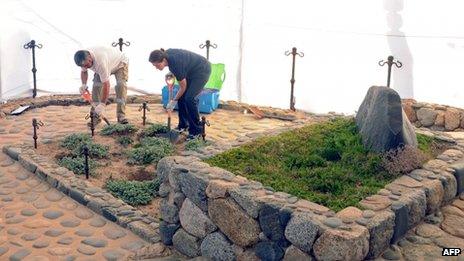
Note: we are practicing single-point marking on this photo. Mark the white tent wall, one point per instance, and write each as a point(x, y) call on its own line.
point(342, 42)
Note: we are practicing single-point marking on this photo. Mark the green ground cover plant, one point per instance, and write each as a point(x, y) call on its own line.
point(133, 192)
point(325, 163)
point(150, 150)
point(118, 129)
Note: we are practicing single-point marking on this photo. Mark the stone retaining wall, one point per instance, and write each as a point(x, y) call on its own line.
point(434, 116)
point(97, 199)
point(209, 211)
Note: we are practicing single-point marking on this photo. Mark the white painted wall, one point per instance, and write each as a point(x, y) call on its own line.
point(342, 42)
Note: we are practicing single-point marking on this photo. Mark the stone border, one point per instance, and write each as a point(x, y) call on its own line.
point(211, 212)
point(434, 116)
point(97, 199)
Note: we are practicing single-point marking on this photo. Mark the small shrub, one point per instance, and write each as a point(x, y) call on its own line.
point(125, 140)
point(95, 150)
point(118, 129)
point(154, 129)
point(402, 160)
point(77, 164)
point(150, 149)
point(195, 144)
point(74, 140)
point(133, 192)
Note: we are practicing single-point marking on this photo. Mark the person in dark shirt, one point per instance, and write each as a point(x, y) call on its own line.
point(192, 71)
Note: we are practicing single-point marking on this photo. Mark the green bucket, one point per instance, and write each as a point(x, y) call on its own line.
point(217, 77)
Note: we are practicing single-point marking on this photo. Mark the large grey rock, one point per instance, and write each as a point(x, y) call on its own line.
point(186, 243)
point(301, 231)
point(426, 116)
point(194, 188)
point(242, 229)
point(381, 121)
point(217, 247)
point(294, 254)
point(247, 201)
point(167, 231)
point(269, 251)
point(380, 232)
point(169, 212)
point(273, 222)
point(194, 221)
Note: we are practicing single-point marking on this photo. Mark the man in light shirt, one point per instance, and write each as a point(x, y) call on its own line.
point(104, 61)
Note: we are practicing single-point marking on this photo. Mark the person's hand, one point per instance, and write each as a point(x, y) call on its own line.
point(99, 109)
point(83, 88)
point(171, 105)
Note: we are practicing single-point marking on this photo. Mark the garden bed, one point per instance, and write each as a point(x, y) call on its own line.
point(324, 163)
point(122, 160)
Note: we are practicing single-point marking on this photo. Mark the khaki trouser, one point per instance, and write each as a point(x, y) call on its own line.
point(122, 75)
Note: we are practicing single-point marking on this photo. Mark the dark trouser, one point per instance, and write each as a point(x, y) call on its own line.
point(188, 104)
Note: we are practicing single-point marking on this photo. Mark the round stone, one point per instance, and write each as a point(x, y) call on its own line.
point(362, 221)
point(69, 258)
point(84, 232)
point(428, 230)
point(65, 241)
point(20, 254)
point(13, 184)
point(114, 233)
point(41, 244)
point(7, 198)
point(333, 222)
point(95, 242)
point(132, 246)
point(391, 255)
point(22, 190)
point(368, 214)
point(4, 192)
point(30, 236)
point(13, 231)
point(53, 196)
point(53, 214)
point(59, 251)
point(14, 220)
point(97, 222)
point(70, 222)
point(28, 212)
point(3, 250)
point(22, 175)
point(41, 204)
point(33, 183)
point(83, 213)
point(86, 250)
point(113, 255)
point(10, 214)
point(42, 188)
point(30, 197)
point(68, 205)
point(54, 232)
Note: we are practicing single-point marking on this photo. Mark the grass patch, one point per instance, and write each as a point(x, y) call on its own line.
point(325, 163)
point(124, 140)
point(150, 150)
point(196, 144)
point(74, 140)
point(154, 129)
point(118, 129)
point(77, 164)
point(133, 192)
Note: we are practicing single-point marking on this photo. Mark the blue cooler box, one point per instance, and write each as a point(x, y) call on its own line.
point(208, 99)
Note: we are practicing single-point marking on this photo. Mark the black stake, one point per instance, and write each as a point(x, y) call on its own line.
point(292, 80)
point(120, 43)
point(86, 157)
point(145, 108)
point(36, 123)
point(91, 116)
point(32, 45)
point(204, 123)
point(390, 62)
point(207, 45)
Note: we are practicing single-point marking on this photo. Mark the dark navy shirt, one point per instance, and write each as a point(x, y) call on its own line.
point(187, 65)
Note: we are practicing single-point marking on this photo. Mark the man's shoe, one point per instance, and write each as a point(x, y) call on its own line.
point(193, 137)
point(123, 121)
point(180, 129)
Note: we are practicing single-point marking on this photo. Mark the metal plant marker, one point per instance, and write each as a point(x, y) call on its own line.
point(32, 45)
point(85, 151)
point(120, 43)
point(204, 123)
point(390, 62)
point(294, 53)
point(36, 123)
point(208, 45)
point(145, 108)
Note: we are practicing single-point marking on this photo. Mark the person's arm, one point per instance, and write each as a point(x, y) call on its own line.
point(182, 89)
point(106, 92)
point(84, 77)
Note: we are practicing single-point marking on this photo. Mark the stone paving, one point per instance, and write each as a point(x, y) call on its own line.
point(37, 222)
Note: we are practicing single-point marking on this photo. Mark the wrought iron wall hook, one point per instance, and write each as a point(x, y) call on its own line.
point(120, 43)
point(32, 45)
point(390, 61)
point(207, 44)
point(294, 53)
point(91, 116)
point(203, 124)
point(145, 108)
